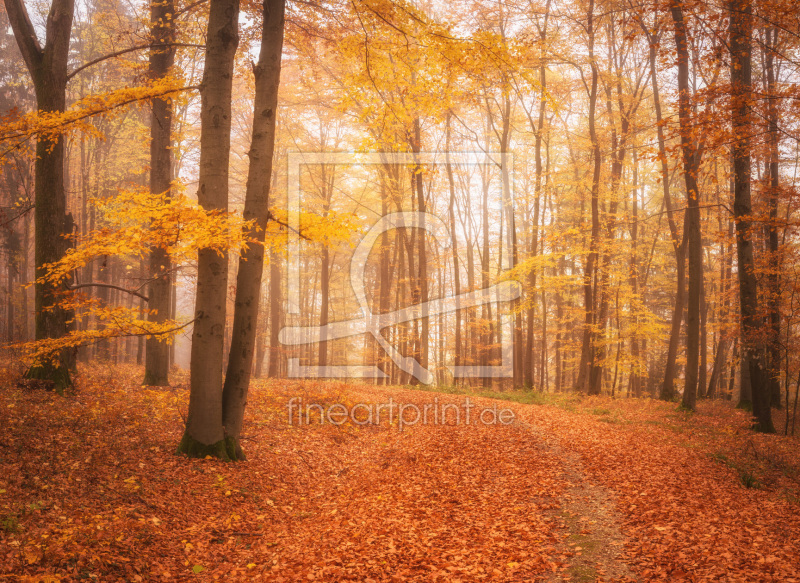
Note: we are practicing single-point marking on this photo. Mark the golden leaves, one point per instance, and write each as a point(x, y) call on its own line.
point(136, 221)
point(81, 116)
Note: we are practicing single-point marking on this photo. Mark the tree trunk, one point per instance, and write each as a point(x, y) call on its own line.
point(702, 376)
point(691, 165)
point(256, 207)
point(420, 295)
point(261, 339)
point(774, 279)
point(48, 69)
point(636, 375)
point(667, 391)
point(741, 26)
point(275, 312)
point(204, 433)
point(587, 344)
point(453, 244)
point(162, 57)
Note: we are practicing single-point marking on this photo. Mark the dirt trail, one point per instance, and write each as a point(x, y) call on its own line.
point(590, 516)
point(594, 545)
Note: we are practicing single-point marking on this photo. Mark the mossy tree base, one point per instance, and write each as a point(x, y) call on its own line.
point(57, 374)
point(227, 449)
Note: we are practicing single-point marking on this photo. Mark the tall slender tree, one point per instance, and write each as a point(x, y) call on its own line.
point(256, 207)
point(691, 168)
point(162, 57)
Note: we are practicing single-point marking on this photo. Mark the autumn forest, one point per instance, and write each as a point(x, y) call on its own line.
point(482, 290)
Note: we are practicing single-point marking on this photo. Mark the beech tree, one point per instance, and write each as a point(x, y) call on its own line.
point(690, 154)
point(47, 66)
point(741, 30)
point(638, 170)
point(162, 57)
point(256, 207)
point(205, 434)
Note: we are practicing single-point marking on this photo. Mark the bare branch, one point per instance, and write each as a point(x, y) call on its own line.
point(129, 50)
point(24, 33)
point(110, 286)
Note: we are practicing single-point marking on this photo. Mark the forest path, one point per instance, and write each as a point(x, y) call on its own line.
point(590, 517)
point(584, 539)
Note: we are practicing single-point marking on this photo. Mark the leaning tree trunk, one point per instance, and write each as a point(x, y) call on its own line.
point(741, 26)
point(48, 68)
point(162, 57)
point(667, 391)
point(256, 207)
point(204, 434)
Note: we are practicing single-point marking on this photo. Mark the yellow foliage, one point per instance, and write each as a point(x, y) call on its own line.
point(138, 220)
point(50, 125)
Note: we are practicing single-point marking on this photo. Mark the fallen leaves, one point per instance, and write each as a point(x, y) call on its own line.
point(89, 488)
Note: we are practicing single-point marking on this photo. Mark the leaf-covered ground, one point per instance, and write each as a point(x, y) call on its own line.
point(575, 489)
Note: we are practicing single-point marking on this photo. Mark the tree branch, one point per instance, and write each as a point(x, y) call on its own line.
point(110, 286)
point(129, 50)
point(24, 33)
point(59, 32)
point(189, 7)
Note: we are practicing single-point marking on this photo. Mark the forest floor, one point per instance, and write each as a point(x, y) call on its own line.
point(573, 489)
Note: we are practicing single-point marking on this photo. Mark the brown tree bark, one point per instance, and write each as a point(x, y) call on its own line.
point(48, 69)
point(451, 213)
point(720, 359)
point(256, 207)
point(667, 390)
point(741, 27)
point(162, 57)
point(774, 279)
point(275, 316)
point(587, 343)
point(691, 164)
point(204, 434)
point(420, 294)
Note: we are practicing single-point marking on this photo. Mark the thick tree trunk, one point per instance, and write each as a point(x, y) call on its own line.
point(162, 57)
point(741, 26)
point(48, 69)
point(204, 433)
